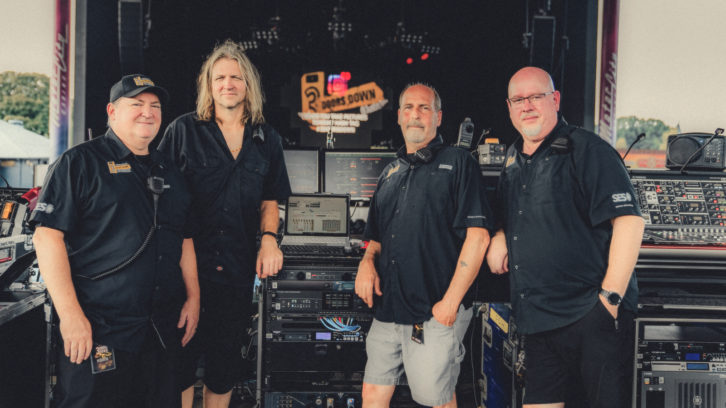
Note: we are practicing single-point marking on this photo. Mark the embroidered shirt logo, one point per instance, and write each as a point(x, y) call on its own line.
point(143, 81)
point(510, 161)
point(446, 166)
point(114, 168)
point(622, 197)
point(393, 170)
point(44, 207)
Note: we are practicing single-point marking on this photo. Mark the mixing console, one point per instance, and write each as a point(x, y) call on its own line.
point(682, 210)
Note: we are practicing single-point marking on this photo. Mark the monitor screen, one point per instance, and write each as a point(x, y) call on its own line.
point(302, 169)
point(355, 173)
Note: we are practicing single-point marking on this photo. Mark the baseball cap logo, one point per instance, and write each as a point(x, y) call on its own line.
point(139, 81)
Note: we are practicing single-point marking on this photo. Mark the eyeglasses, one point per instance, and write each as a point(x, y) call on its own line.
point(533, 99)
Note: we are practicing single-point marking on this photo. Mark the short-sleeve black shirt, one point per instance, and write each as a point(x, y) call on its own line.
point(419, 213)
point(96, 193)
point(227, 193)
point(556, 207)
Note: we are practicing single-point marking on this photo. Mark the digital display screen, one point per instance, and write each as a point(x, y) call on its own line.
point(302, 170)
point(355, 173)
point(697, 366)
point(7, 210)
point(323, 336)
point(693, 357)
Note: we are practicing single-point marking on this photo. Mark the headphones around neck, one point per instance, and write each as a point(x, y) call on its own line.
point(423, 155)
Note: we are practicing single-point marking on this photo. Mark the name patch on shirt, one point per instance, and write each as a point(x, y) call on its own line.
point(114, 168)
point(446, 166)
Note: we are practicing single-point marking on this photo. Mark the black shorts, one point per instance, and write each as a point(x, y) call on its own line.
point(222, 333)
point(590, 359)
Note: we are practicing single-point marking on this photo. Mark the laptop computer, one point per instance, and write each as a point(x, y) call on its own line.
point(316, 224)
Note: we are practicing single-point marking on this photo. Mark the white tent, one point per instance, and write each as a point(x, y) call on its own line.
point(17, 142)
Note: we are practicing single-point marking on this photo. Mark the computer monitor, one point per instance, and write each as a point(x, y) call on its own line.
point(355, 173)
point(302, 170)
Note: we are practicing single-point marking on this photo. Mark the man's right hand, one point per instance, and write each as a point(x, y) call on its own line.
point(366, 281)
point(77, 338)
point(497, 255)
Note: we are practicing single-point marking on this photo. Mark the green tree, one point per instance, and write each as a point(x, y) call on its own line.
point(25, 96)
point(630, 127)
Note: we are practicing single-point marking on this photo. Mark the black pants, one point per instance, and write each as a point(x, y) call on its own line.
point(588, 363)
point(143, 379)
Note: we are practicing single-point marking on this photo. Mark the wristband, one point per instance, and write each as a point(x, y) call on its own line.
point(270, 233)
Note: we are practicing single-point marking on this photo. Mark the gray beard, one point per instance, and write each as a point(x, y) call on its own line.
point(532, 131)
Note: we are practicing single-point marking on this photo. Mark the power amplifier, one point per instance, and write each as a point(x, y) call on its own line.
point(680, 363)
point(314, 357)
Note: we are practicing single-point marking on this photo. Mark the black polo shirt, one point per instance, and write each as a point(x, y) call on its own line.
point(556, 207)
point(227, 193)
point(420, 213)
point(96, 193)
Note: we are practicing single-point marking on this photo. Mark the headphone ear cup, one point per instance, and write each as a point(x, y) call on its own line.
point(424, 155)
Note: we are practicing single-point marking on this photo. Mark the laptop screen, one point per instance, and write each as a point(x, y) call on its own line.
point(317, 215)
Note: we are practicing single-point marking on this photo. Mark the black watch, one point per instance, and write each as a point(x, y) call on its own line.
point(613, 298)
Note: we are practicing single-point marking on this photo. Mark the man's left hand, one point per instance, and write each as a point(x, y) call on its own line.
point(612, 309)
point(189, 316)
point(269, 259)
point(445, 312)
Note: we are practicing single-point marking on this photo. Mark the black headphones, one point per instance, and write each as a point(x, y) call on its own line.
point(562, 144)
point(423, 155)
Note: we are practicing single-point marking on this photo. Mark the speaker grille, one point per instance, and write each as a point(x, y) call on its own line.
point(681, 149)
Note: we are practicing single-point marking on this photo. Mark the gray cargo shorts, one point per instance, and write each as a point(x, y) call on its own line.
point(431, 368)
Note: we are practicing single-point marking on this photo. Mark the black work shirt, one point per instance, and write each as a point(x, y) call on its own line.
point(96, 193)
point(556, 207)
point(419, 213)
point(227, 192)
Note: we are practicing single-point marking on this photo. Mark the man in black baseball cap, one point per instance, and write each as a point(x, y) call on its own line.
point(117, 262)
point(132, 85)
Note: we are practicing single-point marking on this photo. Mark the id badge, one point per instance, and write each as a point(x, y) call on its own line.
point(103, 359)
point(417, 333)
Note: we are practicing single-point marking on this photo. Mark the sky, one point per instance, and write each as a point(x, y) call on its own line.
point(672, 62)
point(26, 35)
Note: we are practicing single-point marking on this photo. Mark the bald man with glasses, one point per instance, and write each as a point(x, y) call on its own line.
point(569, 235)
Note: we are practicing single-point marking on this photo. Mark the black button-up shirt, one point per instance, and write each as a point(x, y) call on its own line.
point(96, 193)
point(420, 213)
point(556, 207)
point(227, 193)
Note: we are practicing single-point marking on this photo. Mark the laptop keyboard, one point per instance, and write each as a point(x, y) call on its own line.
point(312, 250)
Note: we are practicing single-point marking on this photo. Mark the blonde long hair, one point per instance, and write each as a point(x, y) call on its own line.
point(254, 98)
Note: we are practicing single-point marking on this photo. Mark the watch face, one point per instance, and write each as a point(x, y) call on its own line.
point(614, 299)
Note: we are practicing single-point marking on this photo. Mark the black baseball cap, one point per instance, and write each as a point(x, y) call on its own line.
point(132, 85)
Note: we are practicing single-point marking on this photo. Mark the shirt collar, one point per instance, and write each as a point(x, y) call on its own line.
point(561, 123)
point(434, 145)
point(121, 152)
